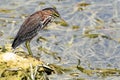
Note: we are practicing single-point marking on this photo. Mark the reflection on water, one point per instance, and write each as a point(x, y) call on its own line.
point(82, 38)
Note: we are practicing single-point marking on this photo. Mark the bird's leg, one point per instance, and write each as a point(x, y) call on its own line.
point(27, 44)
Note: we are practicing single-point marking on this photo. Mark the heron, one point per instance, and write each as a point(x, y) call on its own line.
point(32, 25)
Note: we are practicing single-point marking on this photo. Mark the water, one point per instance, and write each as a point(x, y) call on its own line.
point(98, 17)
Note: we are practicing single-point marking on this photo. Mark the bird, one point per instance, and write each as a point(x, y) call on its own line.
point(32, 25)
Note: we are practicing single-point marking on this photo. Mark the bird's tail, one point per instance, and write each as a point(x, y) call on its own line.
point(16, 42)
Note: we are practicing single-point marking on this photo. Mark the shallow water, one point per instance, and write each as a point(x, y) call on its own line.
point(97, 17)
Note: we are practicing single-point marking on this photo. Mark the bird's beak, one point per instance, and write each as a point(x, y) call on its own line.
point(61, 21)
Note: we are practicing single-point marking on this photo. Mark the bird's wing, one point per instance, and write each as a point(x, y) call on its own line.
point(28, 30)
point(30, 25)
point(33, 24)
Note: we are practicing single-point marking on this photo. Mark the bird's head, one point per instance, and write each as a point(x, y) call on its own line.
point(52, 12)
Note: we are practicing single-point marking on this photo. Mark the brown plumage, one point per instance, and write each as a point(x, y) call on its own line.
point(33, 24)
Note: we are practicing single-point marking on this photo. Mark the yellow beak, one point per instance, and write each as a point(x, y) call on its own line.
point(61, 21)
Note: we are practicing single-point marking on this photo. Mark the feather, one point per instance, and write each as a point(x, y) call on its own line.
point(28, 30)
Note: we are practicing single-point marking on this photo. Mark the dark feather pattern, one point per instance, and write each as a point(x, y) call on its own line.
point(28, 30)
point(32, 25)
